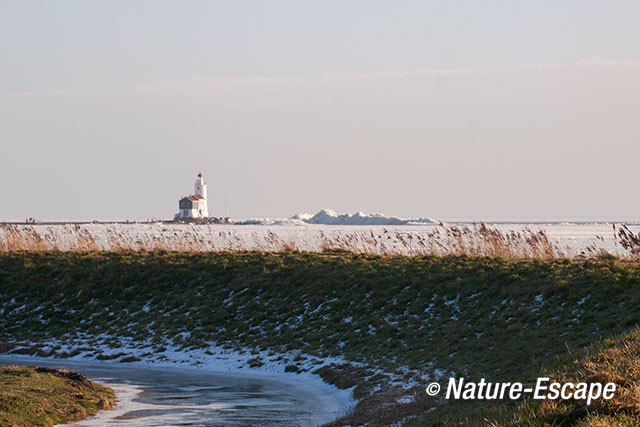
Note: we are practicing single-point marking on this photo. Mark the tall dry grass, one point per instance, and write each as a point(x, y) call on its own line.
point(473, 240)
point(630, 242)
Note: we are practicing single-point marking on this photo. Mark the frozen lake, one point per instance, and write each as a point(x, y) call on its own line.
point(153, 396)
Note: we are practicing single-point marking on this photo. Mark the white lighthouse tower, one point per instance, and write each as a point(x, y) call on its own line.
point(195, 205)
point(200, 188)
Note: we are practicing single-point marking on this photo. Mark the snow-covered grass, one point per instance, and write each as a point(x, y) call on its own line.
point(373, 324)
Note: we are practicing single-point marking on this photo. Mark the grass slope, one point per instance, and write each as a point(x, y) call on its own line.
point(615, 360)
point(31, 396)
point(408, 317)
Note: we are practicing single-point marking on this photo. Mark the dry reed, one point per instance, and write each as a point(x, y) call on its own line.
point(472, 240)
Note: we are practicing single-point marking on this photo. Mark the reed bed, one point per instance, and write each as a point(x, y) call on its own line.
point(472, 240)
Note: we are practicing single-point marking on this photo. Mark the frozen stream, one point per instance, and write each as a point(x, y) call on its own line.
point(152, 396)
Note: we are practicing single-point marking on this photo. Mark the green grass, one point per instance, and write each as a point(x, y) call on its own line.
point(407, 316)
point(614, 360)
point(31, 396)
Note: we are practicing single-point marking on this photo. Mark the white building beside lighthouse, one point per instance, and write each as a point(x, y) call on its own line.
point(195, 205)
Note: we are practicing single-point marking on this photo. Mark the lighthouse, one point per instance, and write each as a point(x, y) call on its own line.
point(195, 205)
point(200, 189)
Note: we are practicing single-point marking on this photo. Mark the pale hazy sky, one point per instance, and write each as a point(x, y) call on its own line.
point(449, 109)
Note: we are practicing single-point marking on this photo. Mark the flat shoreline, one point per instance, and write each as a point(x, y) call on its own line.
point(39, 395)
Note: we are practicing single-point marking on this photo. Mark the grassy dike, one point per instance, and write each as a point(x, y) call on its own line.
point(615, 360)
point(395, 322)
point(33, 396)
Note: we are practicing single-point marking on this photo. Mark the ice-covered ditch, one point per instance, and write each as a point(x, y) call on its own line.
point(330, 401)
